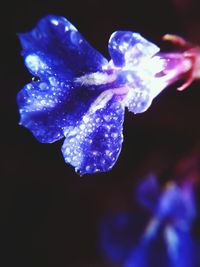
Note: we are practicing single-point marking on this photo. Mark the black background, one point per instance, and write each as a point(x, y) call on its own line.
point(49, 214)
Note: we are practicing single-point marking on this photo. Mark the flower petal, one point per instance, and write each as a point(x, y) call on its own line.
point(127, 47)
point(47, 107)
point(138, 257)
point(55, 46)
point(118, 234)
point(94, 145)
point(57, 53)
point(147, 192)
point(177, 203)
point(139, 67)
point(181, 247)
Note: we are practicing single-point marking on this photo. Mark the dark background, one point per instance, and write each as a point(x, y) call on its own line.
point(50, 216)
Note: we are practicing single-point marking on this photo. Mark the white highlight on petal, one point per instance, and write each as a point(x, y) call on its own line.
point(123, 47)
point(172, 241)
point(130, 78)
point(144, 72)
point(72, 28)
point(55, 22)
point(34, 63)
point(151, 229)
point(96, 78)
point(86, 119)
point(101, 101)
point(78, 145)
point(43, 86)
point(66, 28)
point(53, 81)
point(105, 96)
point(38, 105)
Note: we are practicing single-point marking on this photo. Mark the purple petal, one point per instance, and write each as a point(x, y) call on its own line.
point(139, 99)
point(181, 247)
point(47, 107)
point(57, 53)
point(147, 192)
point(116, 236)
point(177, 203)
point(94, 145)
point(138, 257)
point(139, 66)
point(37, 102)
point(128, 47)
point(55, 46)
point(119, 233)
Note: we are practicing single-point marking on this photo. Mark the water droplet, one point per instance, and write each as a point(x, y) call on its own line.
point(75, 158)
point(103, 161)
point(97, 120)
point(86, 119)
point(95, 153)
point(32, 61)
point(67, 150)
point(96, 170)
point(29, 86)
point(35, 79)
point(43, 86)
point(88, 168)
point(82, 126)
point(55, 22)
point(114, 135)
point(74, 37)
point(68, 159)
point(108, 153)
point(72, 140)
point(107, 118)
point(53, 81)
point(43, 102)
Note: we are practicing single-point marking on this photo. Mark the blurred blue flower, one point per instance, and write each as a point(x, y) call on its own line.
point(81, 96)
point(163, 239)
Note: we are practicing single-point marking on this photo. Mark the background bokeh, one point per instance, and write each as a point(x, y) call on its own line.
point(49, 215)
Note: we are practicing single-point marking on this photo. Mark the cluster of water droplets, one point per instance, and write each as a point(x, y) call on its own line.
point(43, 95)
point(95, 142)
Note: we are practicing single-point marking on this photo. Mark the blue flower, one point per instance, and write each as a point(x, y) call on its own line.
point(160, 237)
point(172, 216)
point(81, 96)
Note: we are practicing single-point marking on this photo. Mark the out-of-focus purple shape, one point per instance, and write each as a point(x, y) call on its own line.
point(172, 219)
point(147, 192)
point(163, 239)
point(177, 202)
point(82, 96)
point(138, 256)
point(174, 201)
point(119, 233)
